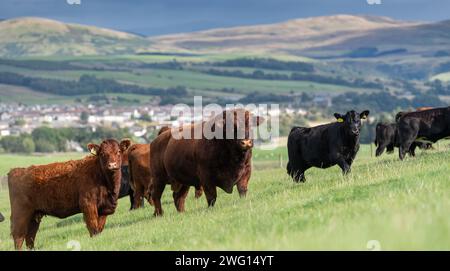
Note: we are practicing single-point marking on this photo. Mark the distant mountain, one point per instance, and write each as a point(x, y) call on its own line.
point(293, 35)
point(43, 37)
point(335, 35)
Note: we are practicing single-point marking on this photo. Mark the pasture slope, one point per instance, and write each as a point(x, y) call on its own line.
point(402, 205)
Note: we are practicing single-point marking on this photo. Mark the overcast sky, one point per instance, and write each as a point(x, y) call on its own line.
point(154, 17)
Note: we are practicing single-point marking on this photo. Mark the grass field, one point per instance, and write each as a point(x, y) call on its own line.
point(402, 205)
point(189, 78)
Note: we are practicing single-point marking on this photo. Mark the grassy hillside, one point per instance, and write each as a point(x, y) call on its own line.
point(37, 36)
point(299, 34)
point(402, 205)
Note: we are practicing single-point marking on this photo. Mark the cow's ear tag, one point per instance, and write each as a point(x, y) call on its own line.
point(364, 117)
point(93, 151)
point(340, 120)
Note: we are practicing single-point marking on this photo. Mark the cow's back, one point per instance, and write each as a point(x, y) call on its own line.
point(432, 124)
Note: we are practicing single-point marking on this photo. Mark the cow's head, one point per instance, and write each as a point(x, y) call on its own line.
point(237, 126)
point(110, 153)
point(352, 120)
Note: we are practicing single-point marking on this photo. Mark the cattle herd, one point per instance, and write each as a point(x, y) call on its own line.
point(93, 185)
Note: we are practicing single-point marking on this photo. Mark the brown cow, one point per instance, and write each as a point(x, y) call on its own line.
point(139, 168)
point(206, 163)
point(138, 165)
point(89, 186)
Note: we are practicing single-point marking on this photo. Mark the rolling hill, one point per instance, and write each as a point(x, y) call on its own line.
point(309, 36)
point(30, 36)
point(299, 34)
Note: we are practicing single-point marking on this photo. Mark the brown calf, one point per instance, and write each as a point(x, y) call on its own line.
point(89, 186)
point(139, 168)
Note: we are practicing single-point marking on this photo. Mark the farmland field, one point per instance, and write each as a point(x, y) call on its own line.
point(401, 205)
point(191, 79)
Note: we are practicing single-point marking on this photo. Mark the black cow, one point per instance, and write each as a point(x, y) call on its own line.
point(325, 145)
point(125, 187)
point(386, 137)
point(429, 125)
point(2, 218)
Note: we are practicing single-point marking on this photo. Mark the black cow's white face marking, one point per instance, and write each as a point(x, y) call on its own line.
point(352, 120)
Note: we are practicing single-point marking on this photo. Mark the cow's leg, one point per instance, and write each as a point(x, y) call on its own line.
point(242, 184)
point(380, 149)
point(157, 190)
point(148, 194)
point(20, 220)
point(179, 197)
point(101, 223)
point(407, 141)
point(211, 194)
point(90, 215)
point(405, 148)
point(412, 150)
point(131, 195)
point(198, 192)
point(299, 176)
point(137, 197)
point(343, 164)
point(33, 227)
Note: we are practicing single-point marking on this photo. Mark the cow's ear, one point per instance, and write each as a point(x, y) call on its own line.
point(124, 144)
point(93, 148)
point(364, 114)
point(339, 117)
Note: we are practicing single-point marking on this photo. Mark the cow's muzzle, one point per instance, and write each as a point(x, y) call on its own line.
point(113, 166)
point(246, 144)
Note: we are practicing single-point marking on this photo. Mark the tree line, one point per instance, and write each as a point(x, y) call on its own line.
point(45, 139)
point(317, 78)
point(267, 63)
point(87, 84)
point(383, 101)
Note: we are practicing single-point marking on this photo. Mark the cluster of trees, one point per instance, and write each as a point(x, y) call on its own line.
point(87, 84)
point(317, 78)
point(61, 65)
point(171, 65)
point(267, 63)
point(45, 139)
point(39, 64)
point(257, 97)
point(382, 101)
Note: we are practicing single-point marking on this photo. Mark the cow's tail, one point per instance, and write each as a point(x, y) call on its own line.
point(376, 134)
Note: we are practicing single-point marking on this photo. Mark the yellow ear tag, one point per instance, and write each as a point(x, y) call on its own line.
point(340, 120)
point(93, 151)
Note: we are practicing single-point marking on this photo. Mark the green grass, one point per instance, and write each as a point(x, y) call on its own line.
point(9, 161)
point(403, 205)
